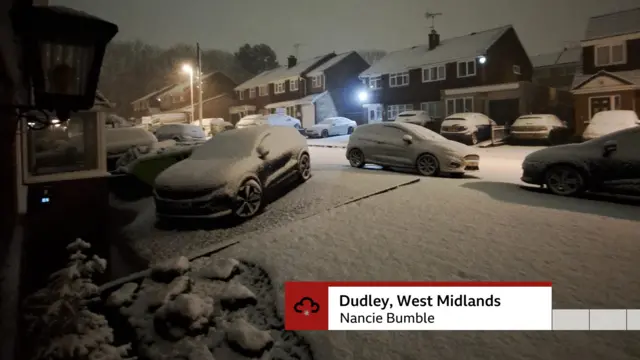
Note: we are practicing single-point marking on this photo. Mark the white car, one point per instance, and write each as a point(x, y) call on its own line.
point(271, 119)
point(606, 122)
point(229, 174)
point(417, 117)
point(332, 126)
point(469, 128)
point(402, 145)
point(537, 127)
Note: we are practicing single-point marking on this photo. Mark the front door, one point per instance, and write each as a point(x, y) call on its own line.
point(603, 103)
point(374, 113)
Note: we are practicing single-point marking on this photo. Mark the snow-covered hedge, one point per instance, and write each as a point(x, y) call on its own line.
point(59, 320)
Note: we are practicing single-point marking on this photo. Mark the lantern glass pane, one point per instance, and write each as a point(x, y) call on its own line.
point(66, 68)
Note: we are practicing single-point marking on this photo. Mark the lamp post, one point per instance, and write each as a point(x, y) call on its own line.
point(189, 70)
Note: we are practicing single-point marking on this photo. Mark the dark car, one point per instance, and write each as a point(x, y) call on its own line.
point(468, 128)
point(181, 133)
point(597, 164)
point(229, 174)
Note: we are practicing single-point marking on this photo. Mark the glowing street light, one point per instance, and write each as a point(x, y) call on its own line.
point(186, 68)
point(363, 96)
point(482, 59)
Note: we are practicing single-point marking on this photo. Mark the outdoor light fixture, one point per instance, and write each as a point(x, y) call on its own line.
point(363, 96)
point(482, 59)
point(62, 56)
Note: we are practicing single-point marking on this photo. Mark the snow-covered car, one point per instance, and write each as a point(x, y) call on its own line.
point(417, 117)
point(119, 140)
point(271, 119)
point(470, 128)
point(592, 165)
point(181, 133)
point(606, 122)
point(230, 173)
point(403, 145)
point(332, 126)
point(544, 127)
point(215, 126)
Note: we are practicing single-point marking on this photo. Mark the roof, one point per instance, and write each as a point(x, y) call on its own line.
point(329, 63)
point(564, 56)
point(458, 48)
point(613, 24)
point(155, 93)
point(187, 108)
point(632, 77)
point(309, 99)
point(281, 73)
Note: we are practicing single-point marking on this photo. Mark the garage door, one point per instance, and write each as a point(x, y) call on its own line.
point(504, 112)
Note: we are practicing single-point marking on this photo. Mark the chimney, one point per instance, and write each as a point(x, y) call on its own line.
point(291, 61)
point(434, 39)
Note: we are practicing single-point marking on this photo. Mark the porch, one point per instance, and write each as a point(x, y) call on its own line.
point(303, 109)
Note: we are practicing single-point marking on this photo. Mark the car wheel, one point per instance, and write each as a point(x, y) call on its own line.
point(474, 138)
point(248, 200)
point(349, 131)
point(304, 167)
point(325, 133)
point(565, 180)
point(427, 165)
point(356, 158)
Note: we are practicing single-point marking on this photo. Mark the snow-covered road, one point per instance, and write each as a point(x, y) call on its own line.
point(478, 228)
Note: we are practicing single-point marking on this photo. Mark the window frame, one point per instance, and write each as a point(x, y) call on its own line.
point(399, 108)
point(317, 81)
point(294, 85)
point(427, 71)
point(279, 87)
point(455, 110)
point(399, 75)
point(467, 72)
point(611, 62)
point(427, 107)
point(252, 93)
point(240, 94)
point(517, 70)
point(265, 92)
point(377, 80)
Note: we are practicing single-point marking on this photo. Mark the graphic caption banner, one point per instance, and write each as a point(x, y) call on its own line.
point(418, 306)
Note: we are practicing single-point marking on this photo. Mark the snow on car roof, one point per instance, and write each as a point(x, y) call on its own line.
point(230, 144)
point(613, 24)
point(458, 48)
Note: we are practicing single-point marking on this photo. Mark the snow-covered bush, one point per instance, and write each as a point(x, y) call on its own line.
point(59, 321)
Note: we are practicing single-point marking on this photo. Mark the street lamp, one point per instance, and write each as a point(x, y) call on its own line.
point(189, 70)
point(63, 51)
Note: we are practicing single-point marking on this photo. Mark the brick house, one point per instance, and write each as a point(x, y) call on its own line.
point(610, 77)
point(557, 69)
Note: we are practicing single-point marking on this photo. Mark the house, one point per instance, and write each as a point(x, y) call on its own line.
point(177, 96)
point(557, 69)
point(149, 104)
point(610, 77)
point(310, 90)
point(213, 107)
point(487, 71)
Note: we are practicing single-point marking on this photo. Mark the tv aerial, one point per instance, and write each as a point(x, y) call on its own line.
point(432, 16)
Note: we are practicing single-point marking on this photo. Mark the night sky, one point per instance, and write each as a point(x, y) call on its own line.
point(322, 26)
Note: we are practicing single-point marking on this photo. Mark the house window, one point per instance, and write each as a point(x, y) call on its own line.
point(466, 68)
point(293, 85)
point(375, 82)
point(432, 108)
point(399, 79)
point(241, 95)
point(610, 55)
point(278, 88)
point(263, 90)
point(516, 70)
point(434, 73)
point(459, 105)
point(316, 81)
point(604, 103)
point(394, 110)
point(291, 111)
point(252, 93)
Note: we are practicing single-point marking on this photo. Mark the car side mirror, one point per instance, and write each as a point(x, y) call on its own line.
point(609, 147)
point(407, 138)
point(262, 151)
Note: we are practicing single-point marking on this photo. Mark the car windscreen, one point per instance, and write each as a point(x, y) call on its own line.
point(527, 120)
point(252, 121)
point(425, 133)
point(226, 145)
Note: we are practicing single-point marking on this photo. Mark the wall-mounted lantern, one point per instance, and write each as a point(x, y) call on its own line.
point(63, 51)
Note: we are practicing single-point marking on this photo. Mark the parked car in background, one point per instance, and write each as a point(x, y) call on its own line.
point(230, 173)
point(332, 126)
point(417, 117)
point(119, 140)
point(181, 133)
point(271, 119)
point(468, 128)
point(606, 122)
point(597, 164)
point(541, 127)
point(214, 126)
point(405, 145)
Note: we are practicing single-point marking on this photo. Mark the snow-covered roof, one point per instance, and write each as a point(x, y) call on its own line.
point(155, 93)
point(565, 56)
point(281, 73)
point(632, 77)
point(613, 24)
point(449, 50)
point(309, 99)
point(328, 64)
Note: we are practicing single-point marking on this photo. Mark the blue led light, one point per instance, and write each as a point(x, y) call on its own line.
point(44, 200)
